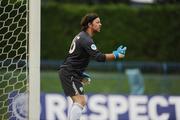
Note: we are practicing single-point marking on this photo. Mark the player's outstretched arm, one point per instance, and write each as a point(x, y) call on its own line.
point(117, 54)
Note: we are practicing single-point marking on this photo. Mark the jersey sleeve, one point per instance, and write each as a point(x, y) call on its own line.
point(92, 50)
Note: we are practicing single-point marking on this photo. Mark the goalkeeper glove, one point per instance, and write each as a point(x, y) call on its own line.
point(85, 79)
point(120, 51)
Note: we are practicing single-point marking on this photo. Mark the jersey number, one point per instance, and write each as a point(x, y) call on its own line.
point(73, 46)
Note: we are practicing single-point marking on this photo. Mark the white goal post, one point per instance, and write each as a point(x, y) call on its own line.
point(20, 59)
point(34, 59)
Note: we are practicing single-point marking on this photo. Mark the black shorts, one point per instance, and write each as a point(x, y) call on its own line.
point(70, 83)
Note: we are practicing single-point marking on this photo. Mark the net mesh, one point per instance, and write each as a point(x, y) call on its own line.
point(13, 59)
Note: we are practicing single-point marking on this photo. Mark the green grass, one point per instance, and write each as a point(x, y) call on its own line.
point(114, 82)
point(101, 83)
point(50, 82)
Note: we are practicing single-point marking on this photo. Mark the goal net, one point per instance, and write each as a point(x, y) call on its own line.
point(15, 88)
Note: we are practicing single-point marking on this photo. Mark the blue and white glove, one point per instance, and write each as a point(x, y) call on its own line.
point(121, 51)
point(85, 79)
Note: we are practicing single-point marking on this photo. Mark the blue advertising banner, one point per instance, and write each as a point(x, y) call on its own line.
point(114, 107)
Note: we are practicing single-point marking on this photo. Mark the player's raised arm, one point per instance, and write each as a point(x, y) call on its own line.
point(117, 54)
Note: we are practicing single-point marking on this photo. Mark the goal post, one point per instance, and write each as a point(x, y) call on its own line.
point(34, 59)
point(20, 59)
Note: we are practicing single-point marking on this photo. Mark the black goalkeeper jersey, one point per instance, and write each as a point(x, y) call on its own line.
point(82, 49)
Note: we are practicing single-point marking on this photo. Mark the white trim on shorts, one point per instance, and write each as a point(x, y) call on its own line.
point(74, 86)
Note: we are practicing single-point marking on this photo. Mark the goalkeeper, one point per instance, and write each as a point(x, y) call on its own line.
point(83, 48)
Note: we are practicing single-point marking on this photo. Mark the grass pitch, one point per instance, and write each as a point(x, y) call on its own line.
point(114, 82)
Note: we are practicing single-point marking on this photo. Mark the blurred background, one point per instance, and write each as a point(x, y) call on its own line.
point(149, 28)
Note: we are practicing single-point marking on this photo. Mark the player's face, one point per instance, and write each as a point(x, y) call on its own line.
point(96, 25)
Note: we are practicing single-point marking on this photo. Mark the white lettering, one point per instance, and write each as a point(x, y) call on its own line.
point(153, 103)
point(117, 105)
point(137, 107)
point(97, 105)
point(176, 101)
point(55, 107)
point(114, 107)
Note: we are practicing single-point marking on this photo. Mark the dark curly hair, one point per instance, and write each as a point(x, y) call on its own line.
point(88, 18)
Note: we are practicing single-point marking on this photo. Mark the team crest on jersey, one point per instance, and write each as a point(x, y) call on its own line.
point(93, 47)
